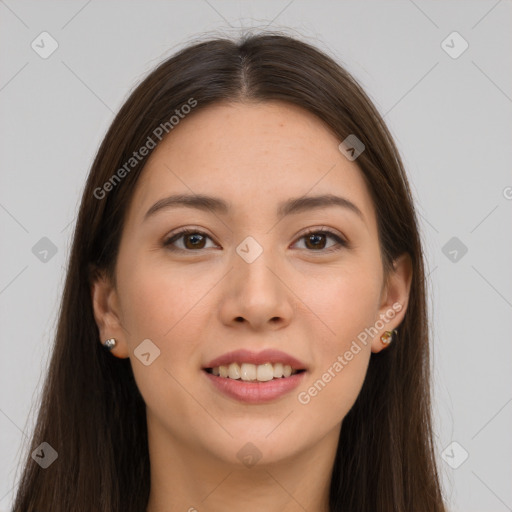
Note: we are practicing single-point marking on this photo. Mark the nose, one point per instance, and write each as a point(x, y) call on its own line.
point(258, 294)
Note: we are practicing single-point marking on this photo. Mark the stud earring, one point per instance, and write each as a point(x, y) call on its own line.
point(387, 337)
point(110, 344)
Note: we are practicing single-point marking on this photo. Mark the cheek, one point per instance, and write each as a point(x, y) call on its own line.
point(170, 307)
point(160, 305)
point(155, 299)
point(348, 305)
point(347, 301)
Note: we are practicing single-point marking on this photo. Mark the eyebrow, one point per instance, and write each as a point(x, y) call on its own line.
point(289, 207)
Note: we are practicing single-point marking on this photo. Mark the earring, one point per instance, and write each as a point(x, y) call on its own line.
point(387, 337)
point(110, 343)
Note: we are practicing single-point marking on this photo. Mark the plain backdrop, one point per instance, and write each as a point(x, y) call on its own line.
point(449, 108)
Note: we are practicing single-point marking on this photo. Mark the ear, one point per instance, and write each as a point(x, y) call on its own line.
point(106, 313)
point(394, 299)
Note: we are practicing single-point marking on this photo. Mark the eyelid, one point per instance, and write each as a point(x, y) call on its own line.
point(323, 229)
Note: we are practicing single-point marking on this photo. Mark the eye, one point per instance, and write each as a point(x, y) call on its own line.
point(193, 239)
point(316, 238)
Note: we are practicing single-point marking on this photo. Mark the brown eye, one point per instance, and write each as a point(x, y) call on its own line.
point(196, 241)
point(192, 239)
point(316, 241)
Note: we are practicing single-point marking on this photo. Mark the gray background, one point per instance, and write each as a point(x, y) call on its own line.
point(451, 118)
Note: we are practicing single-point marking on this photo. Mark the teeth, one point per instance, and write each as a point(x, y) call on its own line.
point(278, 370)
point(265, 372)
point(247, 371)
point(252, 372)
point(234, 371)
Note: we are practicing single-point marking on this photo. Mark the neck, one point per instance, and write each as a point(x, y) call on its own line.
point(187, 478)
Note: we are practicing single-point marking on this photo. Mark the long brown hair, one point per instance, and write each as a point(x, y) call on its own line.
point(91, 411)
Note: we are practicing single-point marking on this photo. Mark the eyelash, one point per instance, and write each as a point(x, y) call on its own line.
point(187, 231)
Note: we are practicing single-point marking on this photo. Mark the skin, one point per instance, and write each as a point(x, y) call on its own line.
point(308, 302)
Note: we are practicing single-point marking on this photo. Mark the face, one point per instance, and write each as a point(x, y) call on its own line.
point(253, 276)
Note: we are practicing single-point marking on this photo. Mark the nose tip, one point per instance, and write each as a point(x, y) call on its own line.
point(257, 301)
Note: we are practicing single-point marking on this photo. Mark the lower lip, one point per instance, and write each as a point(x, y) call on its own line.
point(255, 392)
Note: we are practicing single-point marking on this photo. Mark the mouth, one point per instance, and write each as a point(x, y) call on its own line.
point(248, 366)
point(255, 377)
point(248, 372)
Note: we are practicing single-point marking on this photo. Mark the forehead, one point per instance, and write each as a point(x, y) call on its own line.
point(254, 155)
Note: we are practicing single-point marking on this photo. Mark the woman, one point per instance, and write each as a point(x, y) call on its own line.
point(244, 319)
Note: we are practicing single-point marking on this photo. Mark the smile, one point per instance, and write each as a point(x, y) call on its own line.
point(254, 373)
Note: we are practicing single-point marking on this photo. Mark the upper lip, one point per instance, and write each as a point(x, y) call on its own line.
point(265, 356)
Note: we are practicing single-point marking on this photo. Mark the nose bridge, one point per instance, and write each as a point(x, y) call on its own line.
point(253, 263)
